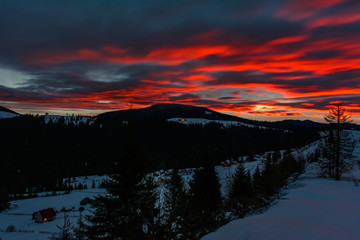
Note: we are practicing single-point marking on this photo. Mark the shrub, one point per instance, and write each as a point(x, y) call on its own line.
point(11, 228)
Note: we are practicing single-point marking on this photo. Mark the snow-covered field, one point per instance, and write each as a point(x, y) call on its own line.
point(7, 115)
point(311, 208)
point(225, 123)
point(20, 213)
point(76, 120)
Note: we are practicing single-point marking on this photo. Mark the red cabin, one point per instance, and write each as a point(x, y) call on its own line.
point(44, 215)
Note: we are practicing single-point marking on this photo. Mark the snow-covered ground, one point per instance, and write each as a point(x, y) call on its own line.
point(311, 208)
point(68, 119)
point(7, 115)
point(314, 208)
point(225, 123)
point(20, 213)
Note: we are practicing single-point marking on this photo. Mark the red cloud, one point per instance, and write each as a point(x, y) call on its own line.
point(111, 54)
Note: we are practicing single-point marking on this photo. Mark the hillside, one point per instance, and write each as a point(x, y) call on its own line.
point(169, 111)
point(7, 113)
point(309, 208)
point(312, 208)
point(175, 112)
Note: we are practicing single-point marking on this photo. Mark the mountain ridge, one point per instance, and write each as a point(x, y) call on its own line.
point(164, 111)
point(4, 109)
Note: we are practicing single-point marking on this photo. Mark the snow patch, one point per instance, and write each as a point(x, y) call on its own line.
point(7, 115)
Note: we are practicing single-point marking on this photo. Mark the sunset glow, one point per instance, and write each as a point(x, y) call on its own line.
point(269, 61)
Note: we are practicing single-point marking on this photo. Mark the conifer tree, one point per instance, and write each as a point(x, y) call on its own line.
point(118, 215)
point(80, 229)
point(343, 146)
point(205, 200)
point(66, 232)
point(128, 211)
point(177, 206)
point(240, 192)
point(4, 197)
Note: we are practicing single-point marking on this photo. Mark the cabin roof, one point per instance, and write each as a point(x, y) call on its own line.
point(47, 213)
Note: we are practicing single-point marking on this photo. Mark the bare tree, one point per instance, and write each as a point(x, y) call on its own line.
point(339, 144)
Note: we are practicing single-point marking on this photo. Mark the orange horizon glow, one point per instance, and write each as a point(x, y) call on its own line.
point(287, 60)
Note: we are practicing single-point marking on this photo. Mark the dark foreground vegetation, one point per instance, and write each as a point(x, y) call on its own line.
point(132, 209)
point(35, 155)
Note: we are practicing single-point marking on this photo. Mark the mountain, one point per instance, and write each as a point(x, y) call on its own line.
point(304, 123)
point(172, 111)
point(4, 109)
point(166, 111)
point(7, 113)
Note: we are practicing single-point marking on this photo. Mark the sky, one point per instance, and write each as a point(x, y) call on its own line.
point(265, 60)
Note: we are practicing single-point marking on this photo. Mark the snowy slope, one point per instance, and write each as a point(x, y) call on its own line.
point(303, 213)
point(7, 115)
point(312, 208)
point(20, 212)
point(316, 209)
point(225, 123)
point(68, 119)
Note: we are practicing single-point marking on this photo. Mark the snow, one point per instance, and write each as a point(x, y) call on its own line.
point(7, 115)
point(68, 119)
point(313, 209)
point(20, 212)
point(203, 121)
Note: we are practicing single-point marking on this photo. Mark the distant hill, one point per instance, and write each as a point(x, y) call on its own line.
point(4, 109)
point(304, 123)
point(167, 111)
point(7, 113)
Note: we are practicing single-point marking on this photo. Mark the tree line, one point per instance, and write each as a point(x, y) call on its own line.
point(132, 210)
point(36, 155)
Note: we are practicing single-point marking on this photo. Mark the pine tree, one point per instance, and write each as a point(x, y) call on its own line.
point(149, 211)
point(4, 197)
point(205, 201)
point(65, 230)
point(177, 206)
point(117, 215)
point(80, 229)
point(240, 192)
point(343, 146)
point(128, 211)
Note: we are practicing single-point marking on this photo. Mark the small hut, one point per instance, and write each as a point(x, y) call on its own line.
point(44, 215)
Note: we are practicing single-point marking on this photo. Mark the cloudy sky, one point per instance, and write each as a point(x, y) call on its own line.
point(257, 59)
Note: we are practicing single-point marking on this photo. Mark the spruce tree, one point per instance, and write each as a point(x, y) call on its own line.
point(128, 210)
point(205, 200)
point(240, 192)
point(343, 144)
point(118, 215)
point(177, 206)
point(66, 231)
point(4, 197)
point(80, 229)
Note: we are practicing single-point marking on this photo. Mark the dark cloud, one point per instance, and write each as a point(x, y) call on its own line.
point(287, 54)
point(322, 54)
